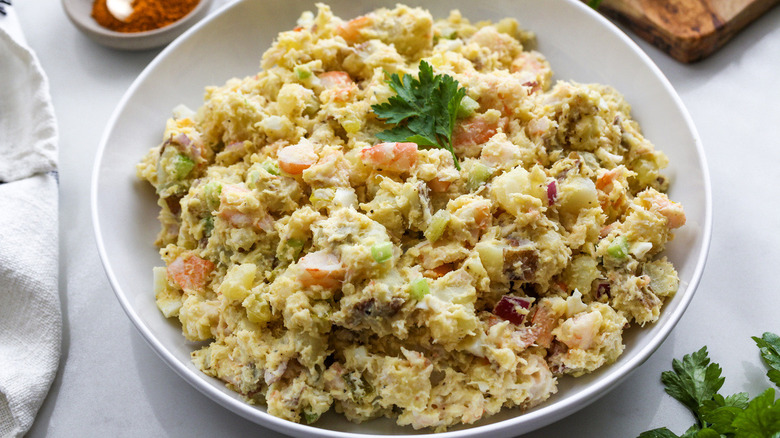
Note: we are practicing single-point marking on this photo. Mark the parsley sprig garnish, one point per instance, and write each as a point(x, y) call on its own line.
point(695, 382)
point(594, 3)
point(424, 109)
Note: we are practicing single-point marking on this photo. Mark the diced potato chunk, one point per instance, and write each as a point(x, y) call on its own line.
point(238, 281)
point(577, 193)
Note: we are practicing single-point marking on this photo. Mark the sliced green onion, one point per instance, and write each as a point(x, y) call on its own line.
point(211, 194)
point(182, 166)
point(618, 248)
point(437, 226)
point(271, 167)
point(419, 288)
point(478, 174)
point(467, 107)
point(382, 252)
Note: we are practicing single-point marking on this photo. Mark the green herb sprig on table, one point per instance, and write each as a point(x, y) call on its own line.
point(424, 109)
point(594, 3)
point(695, 382)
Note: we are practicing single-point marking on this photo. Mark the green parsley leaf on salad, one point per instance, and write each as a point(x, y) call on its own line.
point(695, 382)
point(424, 109)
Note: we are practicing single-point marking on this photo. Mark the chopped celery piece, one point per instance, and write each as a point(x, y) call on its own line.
point(302, 72)
point(252, 178)
point(296, 245)
point(310, 417)
point(467, 107)
point(437, 226)
point(478, 174)
point(419, 288)
point(211, 194)
point(450, 34)
point(182, 166)
point(382, 252)
point(618, 248)
point(311, 107)
point(271, 167)
point(208, 225)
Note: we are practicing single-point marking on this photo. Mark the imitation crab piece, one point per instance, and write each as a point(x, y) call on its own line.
point(190, 272)
point(476, 215)
point(438, 185)
point(671, 210)
point(392, 157)
point(339, 82)
point(538, 127)
point(581, 330)
point(350, 30)
point(237, 219)
point(532, 69)
point(544, 320)
point(541, 379)
point(604, 182)
point(297, 158)
point(321, 268)
point(475, 131)
point(230, 199)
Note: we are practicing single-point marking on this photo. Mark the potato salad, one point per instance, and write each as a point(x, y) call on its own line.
point(407, 217)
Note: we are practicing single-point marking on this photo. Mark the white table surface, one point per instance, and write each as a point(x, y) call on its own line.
point(110, 383)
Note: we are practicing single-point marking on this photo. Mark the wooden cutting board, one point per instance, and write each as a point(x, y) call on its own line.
point(688, 30)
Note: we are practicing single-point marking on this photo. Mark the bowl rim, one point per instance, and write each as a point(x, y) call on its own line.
point(540, 417)
point(90, 24)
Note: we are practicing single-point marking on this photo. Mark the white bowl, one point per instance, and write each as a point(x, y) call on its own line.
point(580, 45)
point(80, 14)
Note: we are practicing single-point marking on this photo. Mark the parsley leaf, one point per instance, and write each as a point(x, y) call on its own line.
point(658, 433)
point(769, 345)
point(720, 412)
point(594, 3)
point(694, 380)
point(424, 109)
point(761, 418)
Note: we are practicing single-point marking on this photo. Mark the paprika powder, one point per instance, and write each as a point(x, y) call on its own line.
point(147, 14)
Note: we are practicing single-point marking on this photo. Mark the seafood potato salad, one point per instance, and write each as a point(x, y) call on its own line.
point(406, 217)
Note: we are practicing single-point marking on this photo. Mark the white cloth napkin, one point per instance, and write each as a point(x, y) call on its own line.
point(30, 314)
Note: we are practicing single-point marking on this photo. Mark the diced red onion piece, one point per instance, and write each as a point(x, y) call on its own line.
point(182, 139)
point(507, 308)
point(552, 192)
point(235, 146)
point(602, 289)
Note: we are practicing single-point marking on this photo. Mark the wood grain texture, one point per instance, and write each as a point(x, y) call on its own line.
point(688, 30)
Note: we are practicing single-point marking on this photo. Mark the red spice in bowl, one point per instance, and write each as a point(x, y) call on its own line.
point(147, 14)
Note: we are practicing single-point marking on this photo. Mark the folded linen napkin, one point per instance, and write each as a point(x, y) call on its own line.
point(30, 314)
